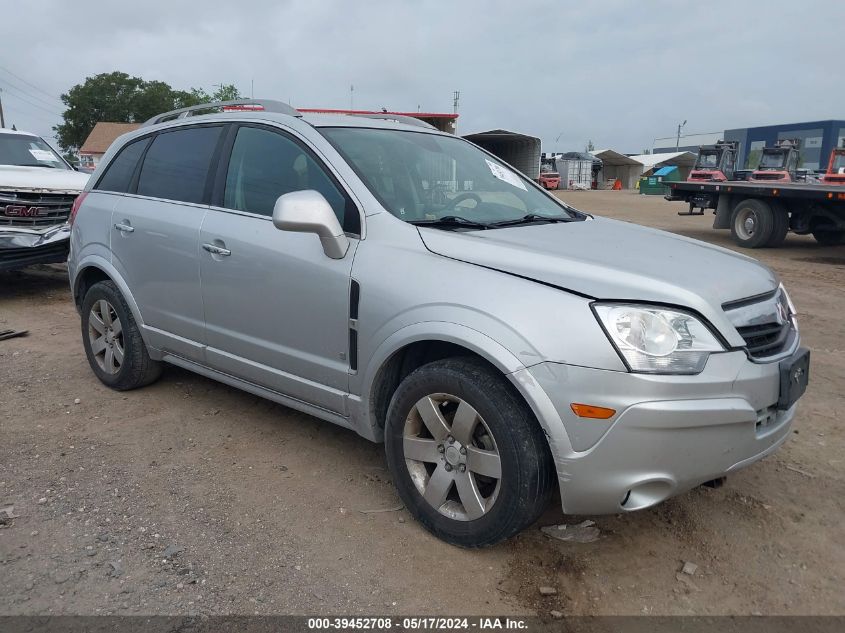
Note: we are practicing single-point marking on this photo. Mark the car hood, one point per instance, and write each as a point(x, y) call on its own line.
point(41, 179)
point(609, 259)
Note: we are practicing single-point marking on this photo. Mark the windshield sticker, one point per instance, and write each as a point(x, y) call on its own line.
point(43, 155)
point(505, 175)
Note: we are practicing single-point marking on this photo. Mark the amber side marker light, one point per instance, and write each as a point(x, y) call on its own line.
point(592, 411)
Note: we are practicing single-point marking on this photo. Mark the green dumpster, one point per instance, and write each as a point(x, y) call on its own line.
point(654, 185)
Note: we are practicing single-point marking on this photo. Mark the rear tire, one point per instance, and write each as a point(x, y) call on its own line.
point(829, 238)
point(112, 340)
point(780, 225)
point(485, 472)
point(752, 223)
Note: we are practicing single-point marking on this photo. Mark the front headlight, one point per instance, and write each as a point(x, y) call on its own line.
point(655, 340)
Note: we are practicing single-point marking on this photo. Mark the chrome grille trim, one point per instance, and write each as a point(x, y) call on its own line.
point(767, 325)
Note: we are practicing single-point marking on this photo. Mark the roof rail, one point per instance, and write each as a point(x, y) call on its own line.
point(266, 106)
point(399, 118)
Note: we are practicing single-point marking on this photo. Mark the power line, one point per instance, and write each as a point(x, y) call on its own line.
point(51, 102)
point(29, 84)
point(16, 96)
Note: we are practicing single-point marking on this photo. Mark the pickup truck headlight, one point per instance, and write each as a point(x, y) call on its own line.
point(654, 340)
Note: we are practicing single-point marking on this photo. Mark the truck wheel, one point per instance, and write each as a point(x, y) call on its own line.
point(113, 344)
point(466, 454)
point(829, 238)
point(752, 223)
point(780, 225)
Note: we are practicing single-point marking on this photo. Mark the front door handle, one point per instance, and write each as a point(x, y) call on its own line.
point(217, 250)
point(124, 228)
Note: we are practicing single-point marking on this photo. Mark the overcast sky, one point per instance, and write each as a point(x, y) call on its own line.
point(614, 72)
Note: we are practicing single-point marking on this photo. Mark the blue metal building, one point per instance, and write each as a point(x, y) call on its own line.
point(816, 140)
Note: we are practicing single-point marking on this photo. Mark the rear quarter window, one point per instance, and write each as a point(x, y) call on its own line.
point(118, 175)
point(177, 163)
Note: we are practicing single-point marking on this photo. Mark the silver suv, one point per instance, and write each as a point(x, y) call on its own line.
point(409, 286)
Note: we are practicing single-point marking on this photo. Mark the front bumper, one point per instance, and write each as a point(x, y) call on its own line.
point(25, 248)
point(670, 433)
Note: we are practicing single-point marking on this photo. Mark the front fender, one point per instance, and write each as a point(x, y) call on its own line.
point(489, 349)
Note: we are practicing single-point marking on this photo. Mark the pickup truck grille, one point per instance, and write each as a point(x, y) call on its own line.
point(34, 210)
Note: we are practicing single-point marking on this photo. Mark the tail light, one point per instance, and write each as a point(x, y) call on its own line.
point(75, 208)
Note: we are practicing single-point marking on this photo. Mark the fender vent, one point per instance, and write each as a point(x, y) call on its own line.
point(354, 296)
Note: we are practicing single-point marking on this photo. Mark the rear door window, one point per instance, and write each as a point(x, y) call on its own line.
point(118, 176)
point(177, 163)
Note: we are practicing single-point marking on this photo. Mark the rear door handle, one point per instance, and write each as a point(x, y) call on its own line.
point(124, 228)
point(217, 250)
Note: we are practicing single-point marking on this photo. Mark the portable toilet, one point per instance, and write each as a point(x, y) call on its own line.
point(654, 185)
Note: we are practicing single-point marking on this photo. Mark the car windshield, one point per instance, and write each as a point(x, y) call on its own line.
point(839, 164)
point(422, 177)
point(28, 151)
point(708, 160)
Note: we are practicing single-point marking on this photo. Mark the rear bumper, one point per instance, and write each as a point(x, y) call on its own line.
point(671, 433)
point(19, 249)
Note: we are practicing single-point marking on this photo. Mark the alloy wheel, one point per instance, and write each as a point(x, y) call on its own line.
point(105, 334)
point(452, 457)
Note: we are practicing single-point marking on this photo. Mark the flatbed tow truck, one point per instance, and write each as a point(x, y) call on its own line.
point(761, 211)
point(760, 214)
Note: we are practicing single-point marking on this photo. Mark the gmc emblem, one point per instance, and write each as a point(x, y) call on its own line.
point(21, 211)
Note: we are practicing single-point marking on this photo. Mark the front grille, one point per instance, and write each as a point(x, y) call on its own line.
point(34, 210)
point(764, 340)
point(769, 176)
point(765, 323)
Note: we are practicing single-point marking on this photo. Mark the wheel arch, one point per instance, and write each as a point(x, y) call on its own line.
point(423, 343)
point(96, 269)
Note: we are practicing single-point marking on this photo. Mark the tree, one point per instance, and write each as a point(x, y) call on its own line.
point(114, 97)
point(224, 92)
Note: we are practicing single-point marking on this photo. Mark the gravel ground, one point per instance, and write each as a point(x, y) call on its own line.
point(191, 497)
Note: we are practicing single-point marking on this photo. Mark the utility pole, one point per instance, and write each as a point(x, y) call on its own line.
point(456, 97)
point(2, 119)
point(351, 97)
point(678, 138)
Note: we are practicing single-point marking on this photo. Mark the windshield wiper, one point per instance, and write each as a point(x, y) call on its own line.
point(531, 218)
point(451, 221)
point(34, 165)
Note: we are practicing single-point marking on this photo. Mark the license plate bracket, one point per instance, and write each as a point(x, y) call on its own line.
point(794, 376)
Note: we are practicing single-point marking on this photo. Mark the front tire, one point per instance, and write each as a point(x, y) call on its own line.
point(112, 340)
point(466, 454)
point(753, 224)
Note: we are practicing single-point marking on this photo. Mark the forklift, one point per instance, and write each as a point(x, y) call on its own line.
point(835, 174)
point(779, 163)
point(715, 163)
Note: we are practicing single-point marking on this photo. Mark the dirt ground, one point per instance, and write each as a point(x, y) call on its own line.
point(191, 497)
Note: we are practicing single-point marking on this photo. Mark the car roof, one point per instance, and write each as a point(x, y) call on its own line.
point(316, 120)
point(5, 130)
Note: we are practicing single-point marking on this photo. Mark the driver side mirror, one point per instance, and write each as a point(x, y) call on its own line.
point(309, 212)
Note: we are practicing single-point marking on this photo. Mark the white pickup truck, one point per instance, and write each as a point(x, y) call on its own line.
point(37, 189)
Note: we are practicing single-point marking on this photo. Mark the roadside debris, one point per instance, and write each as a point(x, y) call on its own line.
point(4, 334)
point(795, 469)
point(689, 568)
point(584, 532)
point(377, 510)
point(172, 551)
point(7, 513)
point(116, 569)
point(548, 591)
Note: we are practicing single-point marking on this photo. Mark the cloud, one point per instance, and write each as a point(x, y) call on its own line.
point(616, 72)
